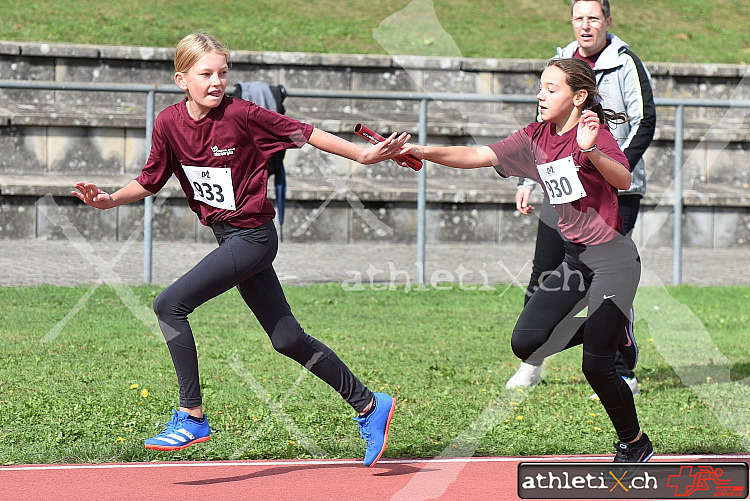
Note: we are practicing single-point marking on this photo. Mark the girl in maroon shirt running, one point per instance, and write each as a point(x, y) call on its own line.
point(581, 167)
point(218, 147)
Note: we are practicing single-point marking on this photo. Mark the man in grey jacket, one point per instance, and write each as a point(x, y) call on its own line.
point(625, 85)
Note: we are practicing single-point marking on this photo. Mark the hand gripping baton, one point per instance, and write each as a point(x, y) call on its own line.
point(375, 138)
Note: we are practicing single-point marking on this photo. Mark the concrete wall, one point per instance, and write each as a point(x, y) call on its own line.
point(49, 139)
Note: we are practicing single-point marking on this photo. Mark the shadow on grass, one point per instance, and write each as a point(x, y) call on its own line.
point(668, 377)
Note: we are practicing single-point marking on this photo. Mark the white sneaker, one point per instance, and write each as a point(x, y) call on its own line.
point(526, 375)
point(632, 383)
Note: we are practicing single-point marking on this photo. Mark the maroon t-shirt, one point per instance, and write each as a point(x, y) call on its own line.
point(236, 135)
point(591, 60)
point(590, 220)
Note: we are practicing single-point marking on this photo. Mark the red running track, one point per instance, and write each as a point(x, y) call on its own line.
point(464, 479)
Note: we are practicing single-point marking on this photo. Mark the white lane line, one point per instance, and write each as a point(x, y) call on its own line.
point(344, 462)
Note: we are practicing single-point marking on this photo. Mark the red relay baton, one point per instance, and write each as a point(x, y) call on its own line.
point(375, 138)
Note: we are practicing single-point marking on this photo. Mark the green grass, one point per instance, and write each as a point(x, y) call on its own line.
point(445, 355)
point(662, 30)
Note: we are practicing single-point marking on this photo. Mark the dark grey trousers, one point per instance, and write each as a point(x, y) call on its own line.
point(244, 260)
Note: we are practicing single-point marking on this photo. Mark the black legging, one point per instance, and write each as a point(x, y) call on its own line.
point(604, 278)
point(549, 250)
point(243, 259)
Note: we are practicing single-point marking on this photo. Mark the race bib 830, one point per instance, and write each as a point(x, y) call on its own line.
point(561, 181)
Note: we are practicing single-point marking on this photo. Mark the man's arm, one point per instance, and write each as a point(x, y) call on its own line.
point(639, 105)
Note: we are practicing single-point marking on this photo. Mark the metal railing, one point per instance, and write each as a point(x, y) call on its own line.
point(424, 99)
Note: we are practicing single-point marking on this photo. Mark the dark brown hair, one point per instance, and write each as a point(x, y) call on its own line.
point(579, 76)
point(604, 4)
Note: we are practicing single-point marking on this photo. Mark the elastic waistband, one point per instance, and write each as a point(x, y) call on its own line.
point(229, 226)
point(221, 225)
point(223, 229)
point(576, 248)
point(619, 247)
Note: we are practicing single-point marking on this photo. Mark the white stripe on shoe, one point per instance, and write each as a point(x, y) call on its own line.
point(167, 440)
point(175, 439)
point(186, 433)
point(184, 437)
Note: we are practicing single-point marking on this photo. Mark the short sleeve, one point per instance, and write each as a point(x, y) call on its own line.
point(607, 144)
point(158, 168)
point(274, 132)
point(514, 155)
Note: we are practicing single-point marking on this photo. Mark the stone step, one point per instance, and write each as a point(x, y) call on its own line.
point(442, 120)
point(50, 139)
point(488, 190)
point(356, 209)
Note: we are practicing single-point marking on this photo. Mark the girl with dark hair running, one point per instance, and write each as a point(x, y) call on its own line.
point(574, 156)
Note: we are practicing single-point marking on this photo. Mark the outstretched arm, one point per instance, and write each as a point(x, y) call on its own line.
point(93, 196)
point(459, 157)
point(372, 155)
point(638, 95)
point(613, 171)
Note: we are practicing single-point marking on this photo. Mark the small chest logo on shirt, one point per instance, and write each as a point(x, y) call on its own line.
point(222, 152)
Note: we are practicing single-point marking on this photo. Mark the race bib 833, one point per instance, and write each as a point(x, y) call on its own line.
point(211, 185)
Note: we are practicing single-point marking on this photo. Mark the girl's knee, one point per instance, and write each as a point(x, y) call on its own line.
point(161, 305)
point(596, 369)
point(286, 345)
point(522, 344)
point(165, 305)
point(287, 337)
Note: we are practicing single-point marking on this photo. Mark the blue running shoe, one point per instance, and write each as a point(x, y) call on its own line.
point(628, 348)
point(180, 432)
point(374, 427)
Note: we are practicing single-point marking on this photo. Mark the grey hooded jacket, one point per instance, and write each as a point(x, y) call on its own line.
point(625, 85)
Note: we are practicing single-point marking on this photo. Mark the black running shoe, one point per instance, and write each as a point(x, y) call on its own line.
point(627, 347)
point(636, 452)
